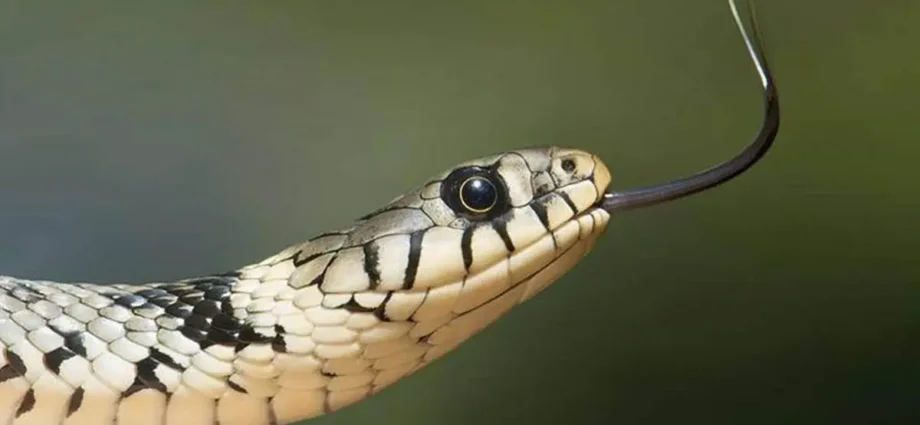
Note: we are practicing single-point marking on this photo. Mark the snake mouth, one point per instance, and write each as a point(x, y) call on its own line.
point(541, 262)
point(601, 200)
point(483, 297)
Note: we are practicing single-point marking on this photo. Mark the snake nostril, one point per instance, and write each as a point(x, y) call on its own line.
point(568, 165)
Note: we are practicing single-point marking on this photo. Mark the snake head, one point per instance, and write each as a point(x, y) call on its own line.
point(412, 280)
point(496, 219)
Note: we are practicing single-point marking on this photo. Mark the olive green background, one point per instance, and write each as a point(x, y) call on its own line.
point(157, 140)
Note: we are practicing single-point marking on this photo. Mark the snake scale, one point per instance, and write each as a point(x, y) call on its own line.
point(325, 323)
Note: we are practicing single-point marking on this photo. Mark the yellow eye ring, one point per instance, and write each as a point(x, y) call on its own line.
point(478, 194)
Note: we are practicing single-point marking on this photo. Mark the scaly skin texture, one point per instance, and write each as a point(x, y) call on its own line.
point(317, 327)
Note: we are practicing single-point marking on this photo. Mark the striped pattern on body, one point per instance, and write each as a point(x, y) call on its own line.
point(317, 327)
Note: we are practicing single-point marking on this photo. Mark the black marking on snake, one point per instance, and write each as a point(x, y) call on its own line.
point(318, 280)
point(149, 311)
point(74, 342)
point(226, 307)
point(226, 322)
point(540, 209)
point(165, 360)
point(192, 299)
point(7, 373)
point(206, 308)
point(372, 263)
point(236, 387)
point(206, 282)
point(415, 251)
point(130, 300)
point(164, 301)
point(381, 311)
point(181, 289)
point(221, 337)
point(199, 328)
point(53, 359)
point(327, 234)
point(59, 329)
point(200, 323)
point(217, 292)
point(249, 335)
point(278, 342)
point(352, 306)
point(500, 225)
point(301, 261)
point(568, 201)
point(466, 248)
point(194, 334)
point(26, 294)
point(151, 293)
point(146, 378)
point(179, 309)
point(14, 366)
point(27, 403)
point(76, 400)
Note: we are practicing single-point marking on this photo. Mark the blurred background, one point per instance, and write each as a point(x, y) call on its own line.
point(171, 139)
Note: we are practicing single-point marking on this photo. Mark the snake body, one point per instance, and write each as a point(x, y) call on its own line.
point(314, 328)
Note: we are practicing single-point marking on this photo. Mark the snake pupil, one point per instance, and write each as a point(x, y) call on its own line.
point(478, 194)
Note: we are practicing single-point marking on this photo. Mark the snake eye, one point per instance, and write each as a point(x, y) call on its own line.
point(475, 193)
point(478, 194)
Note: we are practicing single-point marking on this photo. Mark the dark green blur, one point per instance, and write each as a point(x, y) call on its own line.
point(167, 140)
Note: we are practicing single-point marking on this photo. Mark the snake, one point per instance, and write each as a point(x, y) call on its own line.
point(329, 322)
